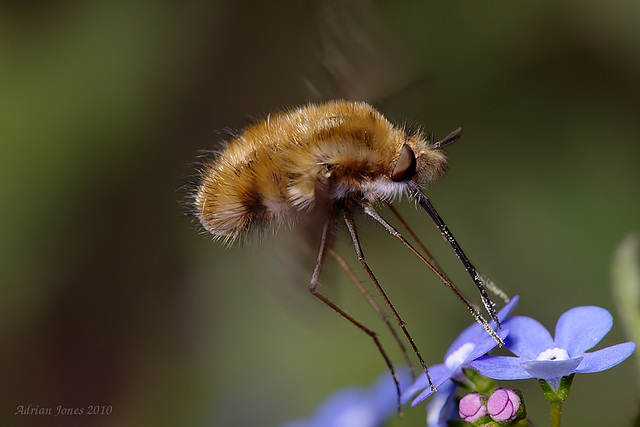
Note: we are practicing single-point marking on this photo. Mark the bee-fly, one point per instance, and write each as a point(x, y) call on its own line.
point(335, 158)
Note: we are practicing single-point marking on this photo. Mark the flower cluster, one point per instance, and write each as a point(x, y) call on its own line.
point(472, 343)
point(538, 355)
point(503, 406)
point(552, 360)
point(358, 406)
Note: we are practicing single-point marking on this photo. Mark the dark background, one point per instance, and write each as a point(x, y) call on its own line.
point(111, 297)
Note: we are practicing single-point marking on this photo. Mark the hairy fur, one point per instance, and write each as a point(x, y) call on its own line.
point(318, 156)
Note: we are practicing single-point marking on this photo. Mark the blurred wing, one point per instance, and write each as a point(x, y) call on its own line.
point(289, 256)
point(359, 57)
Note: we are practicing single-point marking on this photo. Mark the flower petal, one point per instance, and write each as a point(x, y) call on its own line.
point(439, 384)
point(358, 406)
point(347, 403)
point(469, 335)
point(486, 345)
point(442, 408)
point(474, 333)
point(422, 396)
point(508, 308)
point(438, 373)
point(581, 328)
point(547, 369)
point(383, 396)
point(500, 367)
point(527, 337)
point(606, 358)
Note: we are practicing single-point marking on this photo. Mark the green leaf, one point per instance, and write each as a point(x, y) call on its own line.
point(625, 283)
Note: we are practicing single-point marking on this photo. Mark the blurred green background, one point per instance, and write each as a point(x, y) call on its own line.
point(109, 296)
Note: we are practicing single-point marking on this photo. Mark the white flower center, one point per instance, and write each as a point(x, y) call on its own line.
point(458, 357)
point(553, 354)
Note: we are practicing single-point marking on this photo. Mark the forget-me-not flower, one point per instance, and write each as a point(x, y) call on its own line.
point(538, 355)
point(472, 343)
point(359, 406)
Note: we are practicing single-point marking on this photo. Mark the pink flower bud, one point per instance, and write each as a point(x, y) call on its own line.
point(503, 405)
point(472, 407)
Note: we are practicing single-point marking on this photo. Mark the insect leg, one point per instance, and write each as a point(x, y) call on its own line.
point(416, 239)
point(326, 233)
point(369, 210)
point(488, 284)
point(356, 244)
point(373, 303)
point(430, 210)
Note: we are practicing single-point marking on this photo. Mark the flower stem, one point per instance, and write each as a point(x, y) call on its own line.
point(556, 396)
point(556, 414)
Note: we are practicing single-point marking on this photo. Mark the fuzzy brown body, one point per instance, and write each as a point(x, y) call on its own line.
point(279, 168)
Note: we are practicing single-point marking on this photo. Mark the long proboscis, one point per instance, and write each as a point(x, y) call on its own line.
point(430, 210)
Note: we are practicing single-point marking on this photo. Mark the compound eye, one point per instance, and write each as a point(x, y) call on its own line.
point(406, 165)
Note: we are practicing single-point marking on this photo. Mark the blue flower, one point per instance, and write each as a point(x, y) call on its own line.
point(358, 406)
point(543, 357)
point(443, 407)
point(472, 343)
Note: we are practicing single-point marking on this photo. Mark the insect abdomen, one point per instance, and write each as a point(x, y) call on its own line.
point(234, 196)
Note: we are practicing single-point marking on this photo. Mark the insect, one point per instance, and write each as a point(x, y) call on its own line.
point(331, 160)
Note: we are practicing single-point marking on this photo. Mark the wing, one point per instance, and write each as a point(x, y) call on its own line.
point(360, 58)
